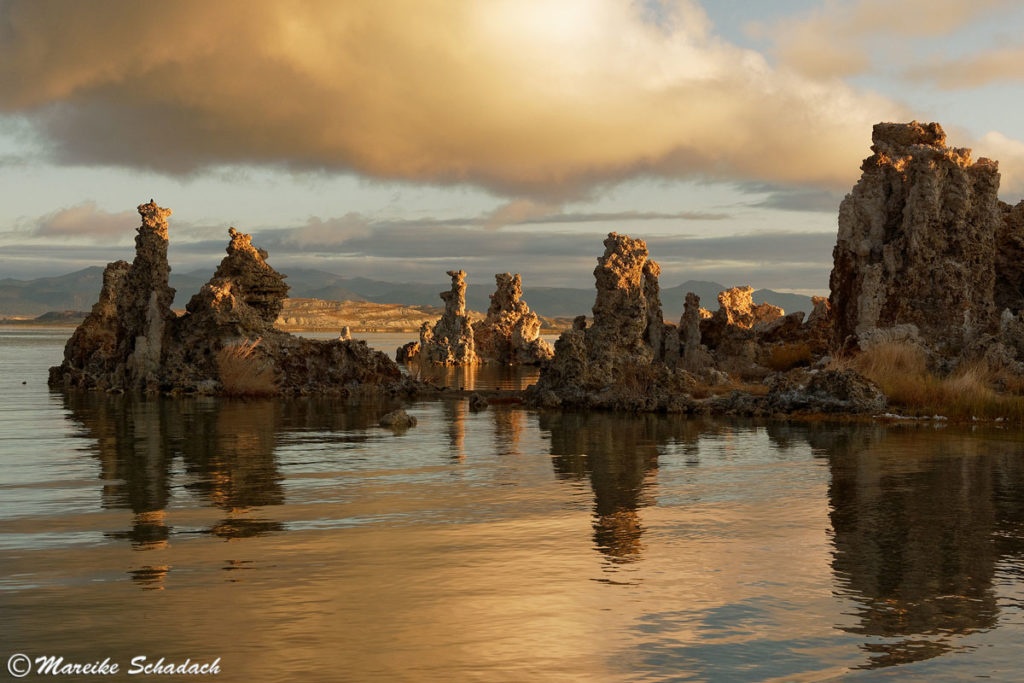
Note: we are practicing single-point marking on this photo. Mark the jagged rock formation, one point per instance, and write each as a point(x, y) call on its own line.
point(144, 301)
point(510, 333)
point(917, 241)
point(828, 391)
point(730, 333)
point(244, 296)
point(93, 348)
point(132, 339)
point(694, 355)
point(819, 325)
point(615, 363)
point(122, 340)
point(410, 351)
point(450, 341)
point(629, 358)
point(750, 340)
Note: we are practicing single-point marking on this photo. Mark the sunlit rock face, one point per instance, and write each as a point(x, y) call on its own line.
point(730, 331)
point(622, 310)
point(132, 339)
point(917, 241)
point(246, 278)
point(450, 341)
point(144, 304)
point(510, 334)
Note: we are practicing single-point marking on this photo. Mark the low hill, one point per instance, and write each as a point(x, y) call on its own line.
point(79, 290)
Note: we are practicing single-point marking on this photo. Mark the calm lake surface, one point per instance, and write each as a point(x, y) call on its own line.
point(297, 540)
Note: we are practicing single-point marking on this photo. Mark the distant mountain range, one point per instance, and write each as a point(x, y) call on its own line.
point(79, 290)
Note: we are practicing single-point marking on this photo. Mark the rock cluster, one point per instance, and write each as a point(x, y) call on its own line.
point(917, 241)
point(132, 339)
point(631, 358)
point(749, 340)
point(510, 334)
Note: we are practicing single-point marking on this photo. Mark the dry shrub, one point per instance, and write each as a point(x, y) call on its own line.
point(637, 380)
point(901, 370)
point(700, 390)
point(1008, 381)
point(788, 356)
point(242, 373)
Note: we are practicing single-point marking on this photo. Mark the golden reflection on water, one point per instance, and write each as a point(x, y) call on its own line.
point(455, 417)
point(514, 544)
point(473, 377)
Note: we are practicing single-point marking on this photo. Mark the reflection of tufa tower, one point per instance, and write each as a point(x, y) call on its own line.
point(508, 429)
point(455, 417)
point(620, 456)
point(916, 537)
point(227, 448)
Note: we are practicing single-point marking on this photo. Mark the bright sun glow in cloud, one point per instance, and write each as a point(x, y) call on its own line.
point(526, 98)
point(462, 128)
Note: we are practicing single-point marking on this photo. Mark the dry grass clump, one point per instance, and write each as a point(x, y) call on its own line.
point(788, 356)
point(901, 370)
point(637, 380)
point(242, 373)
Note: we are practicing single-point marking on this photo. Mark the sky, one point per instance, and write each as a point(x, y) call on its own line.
point(396, 140)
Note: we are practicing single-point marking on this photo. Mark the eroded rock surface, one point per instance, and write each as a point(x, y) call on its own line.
point(828, 391)
point(92, 350)
point(510, 334)
point(122, 341)
point(917, 241)
point(450, 341)
point(732, 333)
point(616, 361)
point(132, 339)
point(1009, 259)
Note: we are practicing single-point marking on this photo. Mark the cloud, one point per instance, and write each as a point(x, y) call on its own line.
point(992, 66)
point(409, 252)
point(88, 221)
point(333, 231)
point(837, 40)
point(526, 98)
point(1010, 154)
point(795, 198)
point(518, 211)
point(337, 231)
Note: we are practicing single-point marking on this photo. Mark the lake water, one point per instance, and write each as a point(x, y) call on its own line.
point(297, 540)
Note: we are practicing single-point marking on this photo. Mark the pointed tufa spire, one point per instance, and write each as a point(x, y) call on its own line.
point(450, 341)
point(154, 219)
